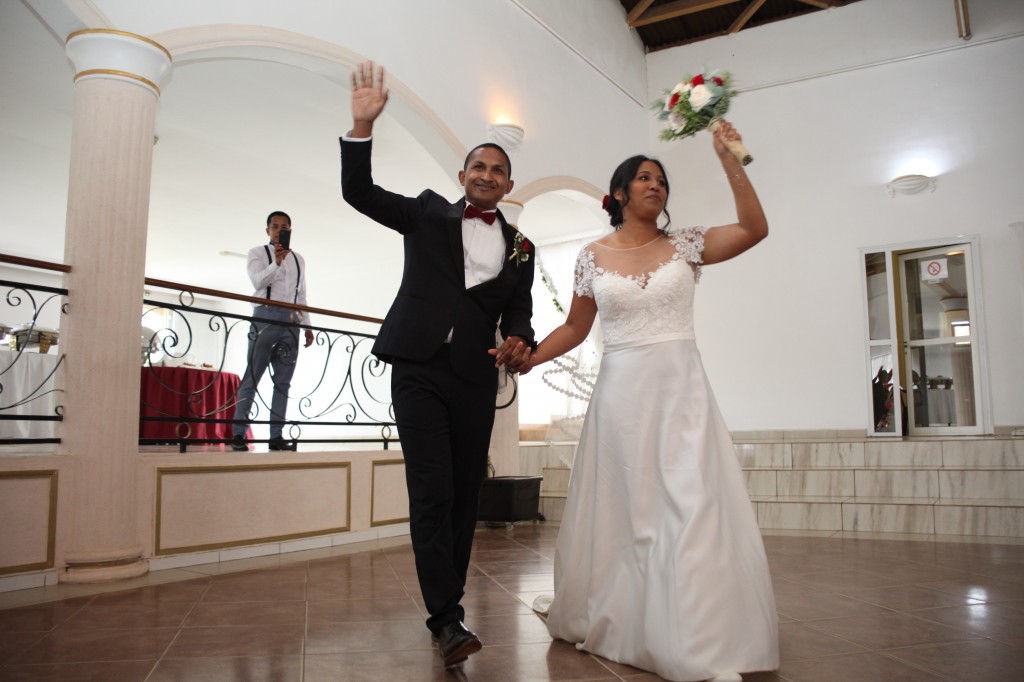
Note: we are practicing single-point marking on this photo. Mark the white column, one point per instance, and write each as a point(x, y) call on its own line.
point(504, 449)
point(118, 77)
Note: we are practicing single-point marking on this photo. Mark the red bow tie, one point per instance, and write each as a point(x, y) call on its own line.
point(474, 212)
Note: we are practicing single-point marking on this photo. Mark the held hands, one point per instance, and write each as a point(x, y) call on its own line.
point(515, 353)
point(368, 96)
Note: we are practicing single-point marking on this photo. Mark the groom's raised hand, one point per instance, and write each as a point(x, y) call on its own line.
point(368, 98)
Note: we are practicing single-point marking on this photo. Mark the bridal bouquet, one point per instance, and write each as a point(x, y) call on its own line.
point(696, 103)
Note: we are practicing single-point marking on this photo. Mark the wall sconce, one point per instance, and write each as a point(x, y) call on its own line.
point(910, 184)
point(508, 135)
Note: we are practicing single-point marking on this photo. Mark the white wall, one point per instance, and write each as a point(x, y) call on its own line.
point(829, 115)
point(781, 328)
point(471, 62)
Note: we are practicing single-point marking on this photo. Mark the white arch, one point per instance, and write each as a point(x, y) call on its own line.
point(333, 62)
point(554, 183)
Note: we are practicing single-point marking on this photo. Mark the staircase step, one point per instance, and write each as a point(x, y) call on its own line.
point(961, 487)
point(555, 482)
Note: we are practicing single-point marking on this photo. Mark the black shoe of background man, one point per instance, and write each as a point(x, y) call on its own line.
point(279, 443)
point(456, 643)
point(238, 443)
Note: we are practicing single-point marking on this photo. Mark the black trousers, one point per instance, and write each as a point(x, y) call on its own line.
point(444, 423)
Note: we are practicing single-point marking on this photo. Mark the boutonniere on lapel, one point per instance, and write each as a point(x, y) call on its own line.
point(521, 248)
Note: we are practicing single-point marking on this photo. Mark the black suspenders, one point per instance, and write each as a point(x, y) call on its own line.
point(298, 274)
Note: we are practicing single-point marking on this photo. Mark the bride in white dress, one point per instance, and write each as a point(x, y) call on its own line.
point(659, 563)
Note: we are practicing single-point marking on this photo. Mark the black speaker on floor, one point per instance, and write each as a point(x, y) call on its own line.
point(507, 499)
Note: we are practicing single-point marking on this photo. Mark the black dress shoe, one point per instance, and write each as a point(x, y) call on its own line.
point(456, 643)
point(238, 443)
point(279, 443)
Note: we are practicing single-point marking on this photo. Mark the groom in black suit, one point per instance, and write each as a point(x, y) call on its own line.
point(465, 269)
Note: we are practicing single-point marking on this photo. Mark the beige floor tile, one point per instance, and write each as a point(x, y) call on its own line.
point(861, 607)
point(867, 667)
point(891, 630)
point(981, 659)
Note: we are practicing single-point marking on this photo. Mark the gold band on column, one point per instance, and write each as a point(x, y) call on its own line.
point(120, 33)
point(115, 72)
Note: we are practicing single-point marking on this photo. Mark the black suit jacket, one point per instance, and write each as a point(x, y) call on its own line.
point(432, 298)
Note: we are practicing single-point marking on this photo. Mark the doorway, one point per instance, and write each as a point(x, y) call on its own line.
point(924, 341)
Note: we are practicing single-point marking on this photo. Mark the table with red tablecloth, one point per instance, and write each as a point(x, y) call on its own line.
point(187, 393)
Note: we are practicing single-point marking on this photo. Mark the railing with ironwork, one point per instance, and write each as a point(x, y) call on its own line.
point(195, 356)
point(31, 394)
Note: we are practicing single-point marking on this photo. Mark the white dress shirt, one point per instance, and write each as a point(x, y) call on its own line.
point(483, 248)
point(287, 281)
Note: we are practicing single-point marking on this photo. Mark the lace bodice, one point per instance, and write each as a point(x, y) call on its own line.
point(646, 291)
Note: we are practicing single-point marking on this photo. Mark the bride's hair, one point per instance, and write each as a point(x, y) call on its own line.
point(621, 178)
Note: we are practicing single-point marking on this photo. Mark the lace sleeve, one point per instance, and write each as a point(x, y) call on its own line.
point(583, 282)
point(689, 244)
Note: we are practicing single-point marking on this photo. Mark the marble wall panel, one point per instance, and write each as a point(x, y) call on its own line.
point(960, 520)
point(981, 485)
point(897, 483)
point(827, 455)
point(922, 454)
point(761, 483)
point(800, 515)
point(889, 518)
point(555, 479)
point(997, 453)
point(552, 508)
point(821, 483)
point(764, 455)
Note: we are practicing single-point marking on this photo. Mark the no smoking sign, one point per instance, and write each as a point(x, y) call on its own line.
point(934, 269)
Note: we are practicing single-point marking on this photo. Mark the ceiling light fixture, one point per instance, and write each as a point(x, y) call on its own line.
point(508, 135)
point(910, 184)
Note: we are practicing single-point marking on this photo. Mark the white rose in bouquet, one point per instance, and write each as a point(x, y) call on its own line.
point(699, 96)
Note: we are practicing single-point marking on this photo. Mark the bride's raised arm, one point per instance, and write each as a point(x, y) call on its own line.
point(729, 241)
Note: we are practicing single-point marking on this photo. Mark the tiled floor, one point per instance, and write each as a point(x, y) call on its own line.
point(851, 609)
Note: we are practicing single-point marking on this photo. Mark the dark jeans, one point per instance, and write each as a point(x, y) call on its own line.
point(278, 347)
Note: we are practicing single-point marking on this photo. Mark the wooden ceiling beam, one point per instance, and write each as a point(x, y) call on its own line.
point(677, 9)
point(640, 8)
point(963, 20)
point(745, 16)
point(820, 4)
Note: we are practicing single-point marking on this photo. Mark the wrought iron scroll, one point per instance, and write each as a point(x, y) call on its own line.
point(346, 401)
point(17, 408)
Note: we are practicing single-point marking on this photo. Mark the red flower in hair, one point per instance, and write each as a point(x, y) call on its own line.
point(697, 80)
point(604, 202)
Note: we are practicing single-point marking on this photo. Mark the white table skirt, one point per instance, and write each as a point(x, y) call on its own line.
point(25, 377)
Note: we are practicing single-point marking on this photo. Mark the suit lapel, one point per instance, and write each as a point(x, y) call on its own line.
point(509, 233)
point(455, 238)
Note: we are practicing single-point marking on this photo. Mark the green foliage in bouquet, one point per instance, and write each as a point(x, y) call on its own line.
point(692, 104)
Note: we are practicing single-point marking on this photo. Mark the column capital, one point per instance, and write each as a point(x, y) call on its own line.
point(118, 55)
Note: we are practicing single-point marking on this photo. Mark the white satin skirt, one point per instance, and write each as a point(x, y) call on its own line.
point(659, 563)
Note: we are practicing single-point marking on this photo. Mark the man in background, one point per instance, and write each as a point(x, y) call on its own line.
point(277, 274)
